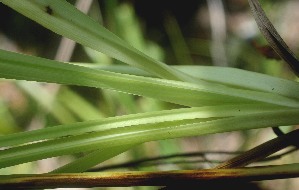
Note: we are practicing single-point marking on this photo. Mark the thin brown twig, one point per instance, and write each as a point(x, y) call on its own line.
point(137, 178)
point(262, 151)
point(167, 159)
point(155, 160)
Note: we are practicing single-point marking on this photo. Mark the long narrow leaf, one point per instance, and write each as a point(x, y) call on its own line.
point(141, 134)
point(135, 119)
point(222, 75)
point(22, 67)
point(64, 19)
point(86, 162)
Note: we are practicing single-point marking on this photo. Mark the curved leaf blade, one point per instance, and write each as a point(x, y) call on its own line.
point(272, 36)
point(22, 67)
point(64, 19)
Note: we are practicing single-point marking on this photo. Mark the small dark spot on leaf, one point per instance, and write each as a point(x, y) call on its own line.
point(272, 88)
point(239, 110)
point(90, 132)
point(66, 136)
point(49, 10)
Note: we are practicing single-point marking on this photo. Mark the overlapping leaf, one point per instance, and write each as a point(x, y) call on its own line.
point(239, 100)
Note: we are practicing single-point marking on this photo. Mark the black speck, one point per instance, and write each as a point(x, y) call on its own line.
point(90, 132)
point(239, 110)
point(272, 88)
point(49, 10)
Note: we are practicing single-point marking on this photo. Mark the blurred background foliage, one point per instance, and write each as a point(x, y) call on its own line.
point(212, 32)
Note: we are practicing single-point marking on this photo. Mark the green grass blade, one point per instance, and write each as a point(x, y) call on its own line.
point(135, 119)
point(222, 75)
point(244, 79)
point(22, 67)
point(141, 134)
point(64, 19)
point(47, 101)
point(86, 162)
point(177, 41)
point(8, 123)
point(78, 105)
